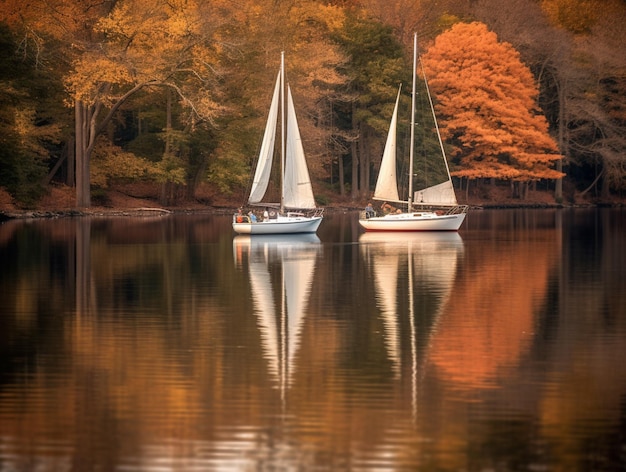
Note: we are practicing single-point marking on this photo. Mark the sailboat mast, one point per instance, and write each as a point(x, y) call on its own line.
point(412, 145)
point(282, 131)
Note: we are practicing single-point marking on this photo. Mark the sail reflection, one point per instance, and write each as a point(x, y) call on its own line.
point(281, 269)
point(427, 259)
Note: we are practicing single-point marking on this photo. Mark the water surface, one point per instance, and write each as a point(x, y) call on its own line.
point(169, 343)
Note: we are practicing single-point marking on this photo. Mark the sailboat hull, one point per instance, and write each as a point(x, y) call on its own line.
point(280, 225)
point(415, 221)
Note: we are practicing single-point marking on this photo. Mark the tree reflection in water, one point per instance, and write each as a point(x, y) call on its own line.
point(131, 343)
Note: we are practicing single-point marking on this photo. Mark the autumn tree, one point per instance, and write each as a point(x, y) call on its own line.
point(50, 35)
point(591, 98)
point(30, 125)
point(575, 51)
point(487, 101)
point(145, 45)
point(405, 17)
point(377, 66)
point(577, 16)
point(547, 52)
point(304, 30)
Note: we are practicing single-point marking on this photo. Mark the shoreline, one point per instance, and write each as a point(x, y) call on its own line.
point(222, 210)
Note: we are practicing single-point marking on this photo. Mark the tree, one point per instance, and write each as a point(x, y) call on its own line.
point(487, 101)
point(547, 52)
point(144, 44)
point(576, 16)
point(377, 66)
point(407, 16)
point(593, 101)
point(27, 131)
point(575, 51)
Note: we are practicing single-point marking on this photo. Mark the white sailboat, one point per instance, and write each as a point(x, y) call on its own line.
point(296, 212)
point(431, 209)
point(280, 296)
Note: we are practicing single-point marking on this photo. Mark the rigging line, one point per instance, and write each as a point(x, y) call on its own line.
point(432, 109)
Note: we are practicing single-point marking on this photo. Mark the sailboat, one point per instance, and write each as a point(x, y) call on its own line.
point(296, 212)
point(431, 209)
point(281, 269)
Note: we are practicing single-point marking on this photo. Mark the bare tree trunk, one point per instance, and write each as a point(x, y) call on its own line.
point(342, 177)
point(355, 171)
point(362, 164)
point(605, 190)
point(83, 194)
point(70, 179)
point(86, 130)
point(168, 123)
point(166, 187)
point(558, 190)
point(56, 167)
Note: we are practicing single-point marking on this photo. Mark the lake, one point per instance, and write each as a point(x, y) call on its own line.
point(167, 343)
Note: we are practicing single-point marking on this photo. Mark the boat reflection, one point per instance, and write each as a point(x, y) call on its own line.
point(413, 277)
point(280, 269)
point(428, 259)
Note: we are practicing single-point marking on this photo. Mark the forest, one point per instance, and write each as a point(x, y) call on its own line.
point(172, 95)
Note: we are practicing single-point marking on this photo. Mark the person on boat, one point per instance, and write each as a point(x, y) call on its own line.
point(252, 216)
point(239, 216)
point(266, 215)
point(387, 208)
point(369, 211)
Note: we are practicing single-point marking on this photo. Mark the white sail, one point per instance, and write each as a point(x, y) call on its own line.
point(297, 189)
point(387, 183)
point(440, 194)
point(264, 164)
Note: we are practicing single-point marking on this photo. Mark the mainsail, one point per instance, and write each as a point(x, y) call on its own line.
point(264, 164)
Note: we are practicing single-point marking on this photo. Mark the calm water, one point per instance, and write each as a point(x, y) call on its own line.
point(168, 344)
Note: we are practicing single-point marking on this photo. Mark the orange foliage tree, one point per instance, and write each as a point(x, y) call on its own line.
point(487, 101)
